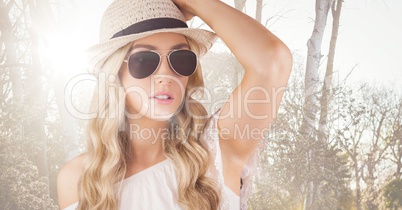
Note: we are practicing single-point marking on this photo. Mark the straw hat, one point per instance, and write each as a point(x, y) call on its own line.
point(125, 21)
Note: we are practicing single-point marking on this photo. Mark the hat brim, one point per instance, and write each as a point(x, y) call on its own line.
point(99, 53)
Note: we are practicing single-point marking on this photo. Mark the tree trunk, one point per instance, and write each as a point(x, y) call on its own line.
point(310, 107)
point(357, 180)
point(379, 114)
point(396, 139)
point(311, 80)
point(258, 12)
point(369, 181)
point(398, 157)
point(11, 62)
point(239, 4)
point(326, 89)
point(36, 100)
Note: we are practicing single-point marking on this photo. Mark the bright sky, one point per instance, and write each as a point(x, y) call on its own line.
point(370, 35)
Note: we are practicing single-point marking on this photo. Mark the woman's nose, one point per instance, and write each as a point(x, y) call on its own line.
point(164, 74)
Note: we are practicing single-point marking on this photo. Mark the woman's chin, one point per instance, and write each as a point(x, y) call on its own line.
point(161, 115)
point(164, 117)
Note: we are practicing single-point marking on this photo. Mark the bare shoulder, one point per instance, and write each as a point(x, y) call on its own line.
point(67, 181)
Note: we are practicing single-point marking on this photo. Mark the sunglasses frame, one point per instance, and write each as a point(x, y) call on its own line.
point(160, 61)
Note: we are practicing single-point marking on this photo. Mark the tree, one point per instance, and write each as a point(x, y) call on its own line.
point(314, 56)
point(350, 135)
point(379, 111)
point(393, 194)
point(311, 81)
point(239, 4)
point(283, 182)
point(21, 186)
point(365, 131)
point(30, 123)
point(326, 89)
point(258, 11)
point(394, 139)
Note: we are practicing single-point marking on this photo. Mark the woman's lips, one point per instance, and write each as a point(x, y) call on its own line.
point(163, 97)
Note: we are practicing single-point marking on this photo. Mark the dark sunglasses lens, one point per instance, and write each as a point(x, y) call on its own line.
point(184, 62)
point(143, 64)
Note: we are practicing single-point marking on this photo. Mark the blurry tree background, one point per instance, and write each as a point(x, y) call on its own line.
point(36, 134)
point(335, 144)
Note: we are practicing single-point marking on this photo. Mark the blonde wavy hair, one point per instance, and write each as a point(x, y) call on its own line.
point(108, 143)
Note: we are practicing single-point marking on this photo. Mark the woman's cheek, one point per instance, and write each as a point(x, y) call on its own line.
point(137, 100)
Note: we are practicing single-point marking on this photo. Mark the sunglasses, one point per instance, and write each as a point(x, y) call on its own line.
point(144, 63)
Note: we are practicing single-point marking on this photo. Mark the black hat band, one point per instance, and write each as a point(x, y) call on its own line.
point(150, 25)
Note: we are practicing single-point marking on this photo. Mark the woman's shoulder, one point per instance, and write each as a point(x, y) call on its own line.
point(67, 181)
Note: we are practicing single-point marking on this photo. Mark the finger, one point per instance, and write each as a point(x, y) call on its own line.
point(188, 16)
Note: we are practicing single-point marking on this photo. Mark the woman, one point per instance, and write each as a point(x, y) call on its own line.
point(152, 145)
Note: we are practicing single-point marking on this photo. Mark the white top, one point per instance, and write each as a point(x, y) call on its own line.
point(156, 186)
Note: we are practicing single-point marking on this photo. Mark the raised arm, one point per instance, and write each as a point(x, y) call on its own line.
point(253, 105)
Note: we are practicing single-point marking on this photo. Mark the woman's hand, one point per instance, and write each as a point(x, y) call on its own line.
point(189, 7)
point(184, 7)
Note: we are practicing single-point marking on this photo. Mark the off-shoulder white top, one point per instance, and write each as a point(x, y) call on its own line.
point(155, 188)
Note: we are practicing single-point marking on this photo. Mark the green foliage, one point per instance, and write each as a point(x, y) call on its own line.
point(393, 194)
